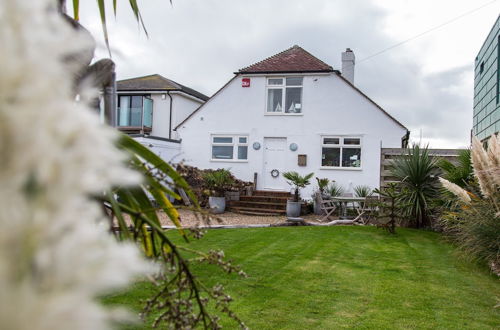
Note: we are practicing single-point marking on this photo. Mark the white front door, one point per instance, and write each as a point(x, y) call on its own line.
point(274, 159)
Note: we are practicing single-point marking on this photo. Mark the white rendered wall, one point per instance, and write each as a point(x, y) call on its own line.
point(168, 151)
point(161, 116)
point(330, 107)
point(183, 106)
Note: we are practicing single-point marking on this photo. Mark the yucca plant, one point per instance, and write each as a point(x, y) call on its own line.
point(334, 189)
point(363, 191)
point(297, 181)
point(416, 172)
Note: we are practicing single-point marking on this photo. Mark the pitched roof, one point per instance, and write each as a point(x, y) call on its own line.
point(294, 59)
point(371, 101)
point(156, 82)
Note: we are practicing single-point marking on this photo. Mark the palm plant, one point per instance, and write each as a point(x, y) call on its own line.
point(322, 184)
point(298, 181)
point(102, 13)
point(461, 172)
point(416, 170)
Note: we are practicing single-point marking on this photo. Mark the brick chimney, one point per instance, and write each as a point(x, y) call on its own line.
point(348, 65)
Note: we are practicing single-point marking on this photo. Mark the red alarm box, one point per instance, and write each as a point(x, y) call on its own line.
point(245, 82)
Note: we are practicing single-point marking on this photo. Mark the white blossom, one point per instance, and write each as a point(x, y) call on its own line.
point(56, 256)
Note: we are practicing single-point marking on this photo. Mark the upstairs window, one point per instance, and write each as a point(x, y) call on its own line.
point(284, 95)
point(229, 147)
point(341, 151)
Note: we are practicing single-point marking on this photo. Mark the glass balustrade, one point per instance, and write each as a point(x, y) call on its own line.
point(135, 111)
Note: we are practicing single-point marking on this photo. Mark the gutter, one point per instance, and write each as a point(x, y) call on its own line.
point(170, 117)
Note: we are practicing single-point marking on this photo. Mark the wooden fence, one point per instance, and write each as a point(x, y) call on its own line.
point(387, 154)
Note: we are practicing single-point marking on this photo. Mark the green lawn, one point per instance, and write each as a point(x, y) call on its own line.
point(346, 277)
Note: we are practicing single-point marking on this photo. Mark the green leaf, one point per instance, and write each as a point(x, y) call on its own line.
point(119, 216)
point(76, 10)
point(137, 13)
point(134, 147)
point(102, 12)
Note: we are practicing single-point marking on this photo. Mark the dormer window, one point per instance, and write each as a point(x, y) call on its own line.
point(284, 95)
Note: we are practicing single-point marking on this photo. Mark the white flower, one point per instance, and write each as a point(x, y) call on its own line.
point(456, 190)
point(56, 255)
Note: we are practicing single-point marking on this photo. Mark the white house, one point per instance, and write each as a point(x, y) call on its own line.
point(292, 112)
point(150, 107)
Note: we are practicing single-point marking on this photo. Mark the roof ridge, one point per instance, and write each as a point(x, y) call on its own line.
point(293, 59)
point(272, 56)
point(134, 78)
point(179, 86)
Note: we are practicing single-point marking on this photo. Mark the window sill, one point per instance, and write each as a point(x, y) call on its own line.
point(282, 114)
point(229, 160)
point(341, 168)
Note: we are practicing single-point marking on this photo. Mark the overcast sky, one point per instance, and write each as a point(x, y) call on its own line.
point(426, 83)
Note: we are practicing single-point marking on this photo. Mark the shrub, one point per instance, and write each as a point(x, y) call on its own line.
point(195, 177)
point(218, 182)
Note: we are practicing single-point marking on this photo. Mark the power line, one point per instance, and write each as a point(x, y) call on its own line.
point(427, 31)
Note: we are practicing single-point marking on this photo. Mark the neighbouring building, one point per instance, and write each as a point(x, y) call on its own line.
point(486, 119)
point(292, 112)
point(150, 107)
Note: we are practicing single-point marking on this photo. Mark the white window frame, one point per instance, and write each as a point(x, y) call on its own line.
point(235, 144)
point(341, 146)
point(283, 88)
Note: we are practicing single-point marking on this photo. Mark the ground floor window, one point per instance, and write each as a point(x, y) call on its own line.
point(341, 151)
point(229, 147)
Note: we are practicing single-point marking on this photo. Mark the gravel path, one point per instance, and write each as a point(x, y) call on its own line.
point(189, 219)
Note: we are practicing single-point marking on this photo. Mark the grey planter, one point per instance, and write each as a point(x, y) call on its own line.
point(217, 204)
point(293, 209)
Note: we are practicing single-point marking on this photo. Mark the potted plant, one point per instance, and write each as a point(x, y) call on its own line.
point(217, 182)
point(297, 181)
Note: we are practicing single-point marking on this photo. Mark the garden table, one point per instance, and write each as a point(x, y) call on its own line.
point(357, 202)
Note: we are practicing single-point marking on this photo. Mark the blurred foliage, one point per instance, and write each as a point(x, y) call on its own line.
point(181, 299)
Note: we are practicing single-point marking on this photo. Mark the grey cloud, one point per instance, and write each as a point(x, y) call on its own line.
point(201, 43)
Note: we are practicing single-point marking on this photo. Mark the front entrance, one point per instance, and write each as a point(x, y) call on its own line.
point(274, 163)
